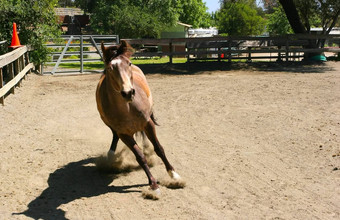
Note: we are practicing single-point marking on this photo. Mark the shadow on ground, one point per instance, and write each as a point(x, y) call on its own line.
point(202, 67)
point(73, 181)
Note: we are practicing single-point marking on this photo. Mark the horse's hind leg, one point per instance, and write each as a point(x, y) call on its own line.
point(113, 146)
point(130, 142)
point(151, 133)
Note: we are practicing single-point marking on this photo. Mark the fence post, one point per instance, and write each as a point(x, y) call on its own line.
point(219, 54)
point(17, 69)
point(229, 49)
point(11, 74)
point(22, 64)
point(279, 54)
point(249, 55)
point(287, 48)
point(170, 49)
point(27, 61)
point(1, 85)
point(81, 55)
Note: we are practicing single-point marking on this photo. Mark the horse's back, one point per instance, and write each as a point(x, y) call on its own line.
point(139, 79)
point(101, 98)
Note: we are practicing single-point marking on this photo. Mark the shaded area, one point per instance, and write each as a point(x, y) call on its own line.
point(201, 67)
point(73, 181)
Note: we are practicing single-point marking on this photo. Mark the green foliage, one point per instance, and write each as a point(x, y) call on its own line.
point(277, 23)
point(36, 22)
point(143, 18)
point(132, 19)
point(239, 19)
point(195, 13)
point(312, 13)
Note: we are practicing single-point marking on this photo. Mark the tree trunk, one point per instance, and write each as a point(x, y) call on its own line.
point(296, 24)
point(293, 16)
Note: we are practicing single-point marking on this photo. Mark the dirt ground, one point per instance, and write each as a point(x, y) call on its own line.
point(252, 141)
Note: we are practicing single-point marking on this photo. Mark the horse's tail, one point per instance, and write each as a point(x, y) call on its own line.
point(153, 119)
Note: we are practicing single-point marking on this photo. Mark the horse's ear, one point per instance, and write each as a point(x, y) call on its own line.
point(123, 43)
point(103, 50)
point(125, 49)
point(102, 46)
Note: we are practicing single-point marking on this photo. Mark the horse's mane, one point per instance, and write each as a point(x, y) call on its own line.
point(125, 49)
point(114, 51)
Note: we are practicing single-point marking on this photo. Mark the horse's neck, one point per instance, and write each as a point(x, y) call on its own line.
point(110, 90)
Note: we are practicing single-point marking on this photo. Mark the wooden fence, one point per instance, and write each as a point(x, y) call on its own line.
point(15, 65)
point(280, 48)
point(289, 47)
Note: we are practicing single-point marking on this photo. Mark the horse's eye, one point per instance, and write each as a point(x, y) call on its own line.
point(130, 64)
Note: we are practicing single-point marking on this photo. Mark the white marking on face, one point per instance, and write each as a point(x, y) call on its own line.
point(116, 62)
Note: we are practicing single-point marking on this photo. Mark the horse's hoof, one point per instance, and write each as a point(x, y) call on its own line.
point(157, 191)
point(174, 175)
point(110, 155)
point(153, 194)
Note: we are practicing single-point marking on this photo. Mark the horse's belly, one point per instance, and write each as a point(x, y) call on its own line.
point(128, 119)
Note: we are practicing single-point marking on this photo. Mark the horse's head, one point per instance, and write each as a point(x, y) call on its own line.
point(118, 68)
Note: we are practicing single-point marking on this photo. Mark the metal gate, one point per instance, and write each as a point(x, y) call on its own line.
point(86, 48)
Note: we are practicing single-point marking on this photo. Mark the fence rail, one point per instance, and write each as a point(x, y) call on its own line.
point(279, 48)
point(287, 47)
point(16, 65)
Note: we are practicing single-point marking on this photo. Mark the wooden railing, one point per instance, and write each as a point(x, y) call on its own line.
point(282, 47)
point(15, 65)
point(279, 48)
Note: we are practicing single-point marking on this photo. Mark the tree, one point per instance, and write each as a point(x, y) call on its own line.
point(251, 3)
point(133, 18)
point(293, 16)
point(277, 23)
point(194, 12)
point(36, 23)
point(239, 19)
point(302, 14)
point(143, 18)
point(66, 3)
point(270, 5)
point(87, 5)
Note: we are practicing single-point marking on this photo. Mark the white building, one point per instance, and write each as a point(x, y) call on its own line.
point(203, 32)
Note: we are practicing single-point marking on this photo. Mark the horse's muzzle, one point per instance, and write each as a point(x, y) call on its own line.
point(128, 95)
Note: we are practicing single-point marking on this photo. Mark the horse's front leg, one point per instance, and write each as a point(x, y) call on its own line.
point(150, 131)
point(115, 139)
point(131, 143)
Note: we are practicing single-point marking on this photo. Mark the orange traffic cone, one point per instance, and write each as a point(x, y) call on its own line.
point(15, 39)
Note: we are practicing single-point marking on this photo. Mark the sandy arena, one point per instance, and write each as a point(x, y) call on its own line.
point(252, 142)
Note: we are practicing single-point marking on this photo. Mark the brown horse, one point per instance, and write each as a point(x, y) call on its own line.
point(124, 102)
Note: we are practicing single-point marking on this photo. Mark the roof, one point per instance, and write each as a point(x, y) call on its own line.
point(68, 11)
point(185, 25)
point(335, 30)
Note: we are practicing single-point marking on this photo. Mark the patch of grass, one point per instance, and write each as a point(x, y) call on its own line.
point(140, 61)
point(88, 65)
point(137, 61)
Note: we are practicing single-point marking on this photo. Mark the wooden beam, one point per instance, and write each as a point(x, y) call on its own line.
point(12, 56)
point(1, 85)
point(11, 74)
point(6, 88)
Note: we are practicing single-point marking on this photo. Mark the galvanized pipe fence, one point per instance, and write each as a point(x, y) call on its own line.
point(85, 48)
